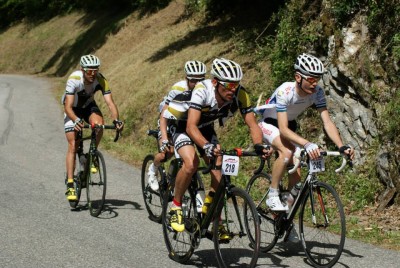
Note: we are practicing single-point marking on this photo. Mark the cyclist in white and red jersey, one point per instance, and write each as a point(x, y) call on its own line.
point(195, 72)
point(279, 122)
point(210, 100)
point(79, 105)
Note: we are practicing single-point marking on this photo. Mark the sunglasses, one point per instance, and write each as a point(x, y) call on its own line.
point(310, 79)
point(194, 79)
point(90, 71)
point(229, 85)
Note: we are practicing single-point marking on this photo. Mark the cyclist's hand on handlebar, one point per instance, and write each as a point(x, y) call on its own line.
point(118, 124)
point(312, 150)
point(348, 150)
point(164, 146)
point(263, 150)
point(78, 124)
point(211, 150)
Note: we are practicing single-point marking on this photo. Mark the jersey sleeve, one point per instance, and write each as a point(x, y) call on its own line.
point(103, 84)
point(281, 100)
point(244, 102)
point(320, 101)
point(199, 97)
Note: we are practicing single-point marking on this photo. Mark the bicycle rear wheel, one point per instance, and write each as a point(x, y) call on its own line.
point(238, 241)
point(152, 199)
point(322, 234)
point(96, 184)
point(258, 187)
point(180, 245)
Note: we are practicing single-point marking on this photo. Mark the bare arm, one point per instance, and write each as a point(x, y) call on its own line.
point(192, 129)
point(330, 127)
point(283, 124)
point(111, 105)
point(163, 124)
point(255, 130)
point(68, 104)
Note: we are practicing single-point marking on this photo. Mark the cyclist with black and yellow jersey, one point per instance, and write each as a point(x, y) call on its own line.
point(210, 100)
point(195, 72)
point(79, 105)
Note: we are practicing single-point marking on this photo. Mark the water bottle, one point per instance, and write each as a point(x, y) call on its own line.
point(200, 200)
point(295, 190)
point(82, 161)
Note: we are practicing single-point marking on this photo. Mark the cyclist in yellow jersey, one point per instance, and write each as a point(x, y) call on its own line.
point(79, 105)
point(195, 72)
point(210, 100)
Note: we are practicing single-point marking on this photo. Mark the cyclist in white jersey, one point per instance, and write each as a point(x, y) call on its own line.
point(279, 122)
point(79, 105)
point(195, 72)
point(210, 100)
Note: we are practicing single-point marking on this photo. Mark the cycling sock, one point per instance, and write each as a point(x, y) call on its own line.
point(273, 192)
point(176, 203)
point(70, 181)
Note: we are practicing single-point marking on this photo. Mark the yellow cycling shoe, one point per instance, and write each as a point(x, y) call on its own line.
point(223, 233)
point(177, 219)
point(93, 169)
point(71, 195)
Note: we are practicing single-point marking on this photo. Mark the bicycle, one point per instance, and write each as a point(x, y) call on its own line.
point(230, 207)
point(322, 223)
point(90, 171)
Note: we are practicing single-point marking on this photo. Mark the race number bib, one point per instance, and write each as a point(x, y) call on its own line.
point(317, 165)
point(230, 165)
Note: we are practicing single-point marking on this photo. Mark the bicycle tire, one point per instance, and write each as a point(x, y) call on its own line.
point(242, 226)
point(258, 187)
point(96, 185)
point(180, 245)
point(322, 241)
point(152, 199)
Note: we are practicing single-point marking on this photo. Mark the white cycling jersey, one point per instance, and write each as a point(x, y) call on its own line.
point(285, 99)
point(176, 89)
point(84, 93)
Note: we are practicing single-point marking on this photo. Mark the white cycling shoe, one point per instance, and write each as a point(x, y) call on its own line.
point(153, 182)
point(275, 204)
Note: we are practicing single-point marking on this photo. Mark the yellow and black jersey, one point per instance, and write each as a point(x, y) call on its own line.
point(84, 94)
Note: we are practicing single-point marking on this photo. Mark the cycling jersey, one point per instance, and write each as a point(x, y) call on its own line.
point(204, 100)
point(285, 99)
point(176, 89)
point(84, 93)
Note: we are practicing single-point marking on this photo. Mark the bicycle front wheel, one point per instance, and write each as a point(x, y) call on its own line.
point(322, 225)
point(180, 245)
point(152, 199)
point(258, 187)
point(236, 233)
point(96, 184)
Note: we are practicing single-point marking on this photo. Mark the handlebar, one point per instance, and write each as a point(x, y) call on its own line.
point(233, 152)
point(153, 132)
point(300, 154)
point(97, 126)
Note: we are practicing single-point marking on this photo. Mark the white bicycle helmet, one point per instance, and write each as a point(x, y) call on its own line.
point(226, 70)
point(90, 61)
point(195, 67)
point(309, 65)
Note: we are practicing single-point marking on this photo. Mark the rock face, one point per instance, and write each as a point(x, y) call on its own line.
point(353, 102)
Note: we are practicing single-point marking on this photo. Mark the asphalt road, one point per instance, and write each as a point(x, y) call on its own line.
point(38, 228)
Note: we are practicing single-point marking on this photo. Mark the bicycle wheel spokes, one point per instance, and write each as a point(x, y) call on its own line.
point(96, 186)
point(152, 199)
point(180, 245)
point(322, 226)
point(258, 188)
point(236, 233)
